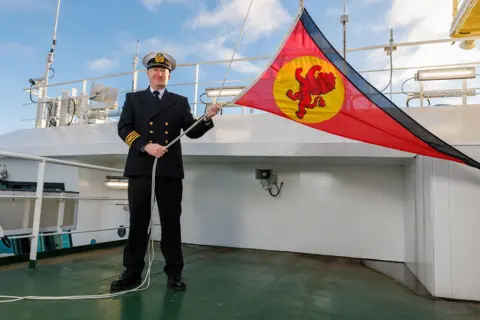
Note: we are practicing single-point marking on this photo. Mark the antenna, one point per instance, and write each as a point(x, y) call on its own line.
point(344, 21)
point(43, 82)
point(135, 73)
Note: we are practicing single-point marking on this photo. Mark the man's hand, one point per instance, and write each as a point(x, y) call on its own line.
point(212, 111)
point(156, 150)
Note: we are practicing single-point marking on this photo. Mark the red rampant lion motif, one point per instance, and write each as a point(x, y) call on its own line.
point(311, 85)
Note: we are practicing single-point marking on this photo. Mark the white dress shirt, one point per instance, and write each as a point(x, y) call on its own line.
point(160, 95)
point(161, 91)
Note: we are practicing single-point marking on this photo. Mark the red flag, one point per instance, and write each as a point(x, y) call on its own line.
point(309, 82)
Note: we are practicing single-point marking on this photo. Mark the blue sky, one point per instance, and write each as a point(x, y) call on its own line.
point(98, 37)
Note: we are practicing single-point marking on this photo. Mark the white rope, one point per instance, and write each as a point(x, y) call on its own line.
point(151, 253)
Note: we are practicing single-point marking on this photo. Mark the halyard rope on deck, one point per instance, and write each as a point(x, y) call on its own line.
point(150, 228)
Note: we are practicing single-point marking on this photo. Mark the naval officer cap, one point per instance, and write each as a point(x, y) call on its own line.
point(159, 60)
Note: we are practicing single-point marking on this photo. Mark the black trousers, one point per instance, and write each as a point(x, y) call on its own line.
point(168, 192)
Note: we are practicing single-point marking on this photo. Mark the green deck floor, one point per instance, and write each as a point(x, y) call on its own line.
point(222, 284)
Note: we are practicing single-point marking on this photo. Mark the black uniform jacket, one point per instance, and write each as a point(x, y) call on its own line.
point(144, 119)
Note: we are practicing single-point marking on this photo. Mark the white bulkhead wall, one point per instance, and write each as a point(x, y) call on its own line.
point(341, 210)
point(441, 234)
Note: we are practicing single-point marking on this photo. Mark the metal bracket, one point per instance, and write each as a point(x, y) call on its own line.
point(389, 50)
point(391, 47)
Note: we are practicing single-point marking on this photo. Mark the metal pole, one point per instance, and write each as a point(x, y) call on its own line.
point(135, 73)
point(421, 93)
point(344, 21)
point(40, 121)
point(61, 214)
point(37, 215)
point(464, 91)
point(197, 69)
point(63, 105)
point(391, 66)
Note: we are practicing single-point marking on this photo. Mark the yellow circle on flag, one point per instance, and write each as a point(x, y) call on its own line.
point(309, 90)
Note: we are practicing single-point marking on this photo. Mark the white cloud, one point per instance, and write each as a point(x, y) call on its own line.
point(368, 28)
point(370, 2)
point(215, 50)
point(102, 64)
point(178, 50)
point(417, 25)
point(264, 17)
point(153, 5)
point(334, 11)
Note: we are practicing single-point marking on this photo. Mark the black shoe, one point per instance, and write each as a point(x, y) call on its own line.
point(176, 283)
point(126, 281)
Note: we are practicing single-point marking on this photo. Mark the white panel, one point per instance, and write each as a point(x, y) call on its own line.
point(410, 218)
point(446, 258)
point(441, 228)
point(464, 232)
point(424, 222)
point(22, 170)
point(353, 211)
point(98, 214)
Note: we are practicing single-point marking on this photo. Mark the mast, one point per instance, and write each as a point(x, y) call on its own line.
point(135, 72)
point(43, 82)
point(344, 21)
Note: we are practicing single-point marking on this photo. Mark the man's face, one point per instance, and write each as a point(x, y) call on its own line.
point(158, 77)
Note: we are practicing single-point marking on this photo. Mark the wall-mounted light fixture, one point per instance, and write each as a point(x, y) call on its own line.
point(461, 73)
point(216, 93)
point(446, 74)
point(224, 92)
point(116, 182)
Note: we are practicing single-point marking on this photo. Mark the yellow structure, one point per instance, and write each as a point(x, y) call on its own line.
point(466, 19)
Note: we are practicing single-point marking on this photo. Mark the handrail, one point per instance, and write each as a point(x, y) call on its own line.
point(22, 156)
point(253, 78)
point(39, 193)
point(255, 58)
point(85, 115)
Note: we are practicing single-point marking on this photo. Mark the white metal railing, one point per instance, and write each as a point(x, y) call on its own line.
point(39, 196)
point(134, 73)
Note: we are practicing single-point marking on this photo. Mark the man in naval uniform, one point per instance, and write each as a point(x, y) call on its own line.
point(149, 121)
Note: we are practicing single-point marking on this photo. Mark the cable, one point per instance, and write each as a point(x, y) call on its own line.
point(391, 72)
point(150, 228)
point(279, 190)
point(53, 75)
point(74, 110)
point(30, 91)
point(401, 87)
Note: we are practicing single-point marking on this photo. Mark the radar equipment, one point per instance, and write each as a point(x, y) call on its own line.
point(104, 100)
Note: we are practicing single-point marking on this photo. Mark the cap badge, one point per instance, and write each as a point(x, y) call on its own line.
point(159, 58)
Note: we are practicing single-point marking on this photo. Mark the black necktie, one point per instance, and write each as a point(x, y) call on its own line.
point(156, 94)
